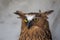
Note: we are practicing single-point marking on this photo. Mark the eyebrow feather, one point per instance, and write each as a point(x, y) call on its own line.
point(30, 17)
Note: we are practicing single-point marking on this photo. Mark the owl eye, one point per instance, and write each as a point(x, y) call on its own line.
point(25, 20)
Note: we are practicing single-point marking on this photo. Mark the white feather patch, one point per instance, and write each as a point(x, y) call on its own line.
point(30, 17)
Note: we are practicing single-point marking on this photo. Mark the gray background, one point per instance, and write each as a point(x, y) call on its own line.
point(10, 25)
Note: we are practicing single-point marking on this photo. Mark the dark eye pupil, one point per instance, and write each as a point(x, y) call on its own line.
point(35, 19)
point(25, 20)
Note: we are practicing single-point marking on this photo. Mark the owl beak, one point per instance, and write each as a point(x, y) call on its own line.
point(29, 24)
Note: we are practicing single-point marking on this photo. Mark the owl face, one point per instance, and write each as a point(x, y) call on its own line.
point(33, 18)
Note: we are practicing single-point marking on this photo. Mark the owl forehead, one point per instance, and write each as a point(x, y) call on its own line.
point(30, 17)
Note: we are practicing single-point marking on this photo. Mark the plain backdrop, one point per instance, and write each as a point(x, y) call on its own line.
point(10, 25)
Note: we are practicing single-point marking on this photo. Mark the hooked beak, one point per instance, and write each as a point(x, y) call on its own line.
point(29, 24)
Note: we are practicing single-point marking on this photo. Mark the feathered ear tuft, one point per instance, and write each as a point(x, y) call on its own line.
point(49, 12)
point(20, 13)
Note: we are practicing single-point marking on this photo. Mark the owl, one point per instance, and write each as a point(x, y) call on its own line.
point(35, 25)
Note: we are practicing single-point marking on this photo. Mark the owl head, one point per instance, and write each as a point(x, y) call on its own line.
point(33, 18)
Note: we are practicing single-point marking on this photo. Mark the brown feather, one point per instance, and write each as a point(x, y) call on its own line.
point(39, 30)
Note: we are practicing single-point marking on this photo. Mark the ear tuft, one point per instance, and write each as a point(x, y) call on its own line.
point(49, 12)
point(20, 13)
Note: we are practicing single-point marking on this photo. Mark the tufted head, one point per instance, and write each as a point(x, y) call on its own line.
point(33, 18)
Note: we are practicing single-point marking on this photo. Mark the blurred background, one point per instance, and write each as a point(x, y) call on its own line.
point(10, 25)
